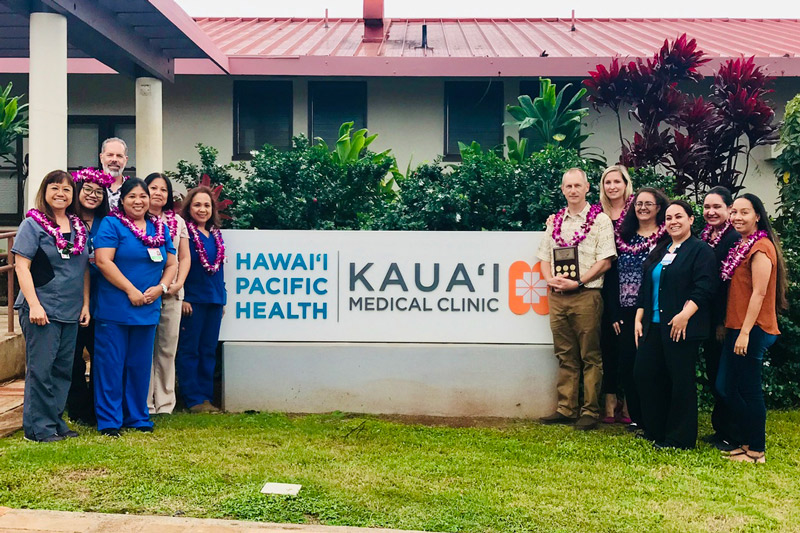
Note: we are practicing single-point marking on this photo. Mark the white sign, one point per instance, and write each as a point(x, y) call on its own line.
point(385, 286)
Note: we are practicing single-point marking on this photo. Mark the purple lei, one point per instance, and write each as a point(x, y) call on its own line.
point(648, 243)
point(172, 223)
point(618, 223)
point(79, 242)
point(706, 234)
point(738, 252)
point(581, 234)
point(150, 241)
point(92, 175)
point(201, 250)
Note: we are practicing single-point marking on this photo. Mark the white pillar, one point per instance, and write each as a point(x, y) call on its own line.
point(47, 93)
point(149, 130)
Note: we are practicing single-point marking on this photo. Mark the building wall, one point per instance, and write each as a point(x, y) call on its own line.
point(407, 113)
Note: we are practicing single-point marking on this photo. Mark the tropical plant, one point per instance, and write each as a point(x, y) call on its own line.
point(547, 119)
point(516, 150)
point(13, 122)
point(699, 139)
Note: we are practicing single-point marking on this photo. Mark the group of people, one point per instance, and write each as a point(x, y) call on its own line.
point(647, 294)
point(106, 265)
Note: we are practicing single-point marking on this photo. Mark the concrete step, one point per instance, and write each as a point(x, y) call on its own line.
point(11, 399)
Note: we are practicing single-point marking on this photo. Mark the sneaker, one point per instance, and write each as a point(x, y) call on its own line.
point(110, 432)
point(209, 407)
point(585, 423)
point(144, 429)
point(557, 418)
point(70, 434)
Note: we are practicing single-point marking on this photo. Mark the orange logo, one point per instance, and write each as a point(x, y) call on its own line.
point(527, 289)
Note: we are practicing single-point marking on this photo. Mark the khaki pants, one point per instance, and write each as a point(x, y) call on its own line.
point(161, 398)
point(575, 322)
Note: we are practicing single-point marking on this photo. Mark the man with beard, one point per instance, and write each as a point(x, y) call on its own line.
point(114, 157)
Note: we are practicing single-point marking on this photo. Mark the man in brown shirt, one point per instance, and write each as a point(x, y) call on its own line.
point(575, 304)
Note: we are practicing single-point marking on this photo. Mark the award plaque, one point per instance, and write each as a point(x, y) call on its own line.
point(565, 261)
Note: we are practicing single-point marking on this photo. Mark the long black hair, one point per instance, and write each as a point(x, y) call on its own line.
point(658, 252)
point(169, 205)
point(781, 303)
point(630, 224)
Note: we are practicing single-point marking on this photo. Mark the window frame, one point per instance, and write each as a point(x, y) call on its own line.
point(313, 87)
point(456, 157)
point(239, 155)
point(106, 125)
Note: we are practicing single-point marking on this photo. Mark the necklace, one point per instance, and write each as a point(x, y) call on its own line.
point(150, 241)
point(706, 234)
point(194, 233)
point(172, 223)
point(63, 245)
point(646, 245)
point(738, 252)
point(581, 234)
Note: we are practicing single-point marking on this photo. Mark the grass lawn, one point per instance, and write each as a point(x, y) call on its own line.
point(366, 471)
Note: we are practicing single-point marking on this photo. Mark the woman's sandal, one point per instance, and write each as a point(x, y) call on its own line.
point(734, 453)
point(748, 457)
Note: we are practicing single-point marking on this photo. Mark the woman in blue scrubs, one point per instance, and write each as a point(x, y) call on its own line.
point(204, 300)
point(135, 254)
point(91, 207)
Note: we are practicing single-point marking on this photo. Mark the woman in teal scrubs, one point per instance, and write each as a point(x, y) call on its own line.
point(135, 254)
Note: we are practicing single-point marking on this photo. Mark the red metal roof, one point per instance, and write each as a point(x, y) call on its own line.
point(481, 47)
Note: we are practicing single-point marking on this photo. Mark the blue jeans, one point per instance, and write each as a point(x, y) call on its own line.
point(739, 384)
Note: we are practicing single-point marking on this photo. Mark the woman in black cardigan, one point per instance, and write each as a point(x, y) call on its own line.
point(672, 319)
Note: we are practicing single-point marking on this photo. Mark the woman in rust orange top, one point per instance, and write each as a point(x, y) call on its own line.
point(756, 294)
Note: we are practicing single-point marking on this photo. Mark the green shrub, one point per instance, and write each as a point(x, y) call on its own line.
point(782, 363)
point(306, 187)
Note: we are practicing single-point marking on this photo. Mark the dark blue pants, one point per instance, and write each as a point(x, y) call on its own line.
point(122, 359)
point(197, 353)
point(48, 359)
point(739, 384)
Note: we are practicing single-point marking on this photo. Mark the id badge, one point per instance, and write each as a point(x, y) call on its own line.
point(64, 254)
point(155, 255)
point(668, 259)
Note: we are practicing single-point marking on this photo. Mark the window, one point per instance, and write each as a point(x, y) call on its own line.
point(86, 133)
point(473, 112)
point(262, 114)
point(331, 104)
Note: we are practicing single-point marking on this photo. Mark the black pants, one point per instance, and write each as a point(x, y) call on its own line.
point(722, 419)
point(626, 347)
point(610, 352)
point(80, 400)
point(665, 376)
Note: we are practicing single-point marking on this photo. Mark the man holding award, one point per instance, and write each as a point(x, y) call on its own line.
point(577, 250)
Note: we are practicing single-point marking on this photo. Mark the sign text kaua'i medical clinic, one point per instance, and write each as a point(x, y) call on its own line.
point(362, 286)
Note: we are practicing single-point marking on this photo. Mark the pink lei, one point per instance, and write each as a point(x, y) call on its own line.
point(155, 241)
point(93, 175)
point(706, 234)
point(618, 223)
point(194, 233)
point(581, 234)
point(172, 223)
point(63, 245)
point(738, 252)
point(647, 245)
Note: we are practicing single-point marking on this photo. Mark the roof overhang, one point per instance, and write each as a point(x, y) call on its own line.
point(132, 37)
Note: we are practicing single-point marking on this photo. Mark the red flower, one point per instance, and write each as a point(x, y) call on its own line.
point(222, 205)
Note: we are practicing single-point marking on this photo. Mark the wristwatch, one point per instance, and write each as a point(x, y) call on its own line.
point(164, 288)
point(580, 285)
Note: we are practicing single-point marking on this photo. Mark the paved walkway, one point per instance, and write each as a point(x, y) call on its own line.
point(30, 521)
point(11, 395)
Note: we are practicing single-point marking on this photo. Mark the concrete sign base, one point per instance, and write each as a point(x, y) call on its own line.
point(480, 380)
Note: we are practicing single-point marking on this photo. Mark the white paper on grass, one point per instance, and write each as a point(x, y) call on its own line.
point(286, 489)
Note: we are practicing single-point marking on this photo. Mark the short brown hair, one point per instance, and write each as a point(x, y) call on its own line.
point(54, 176)
point(187, 204)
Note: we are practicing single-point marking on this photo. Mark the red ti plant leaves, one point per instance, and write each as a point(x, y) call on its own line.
point(680, 60)
point(222, 205)
point(737, 74)
point(608, 86)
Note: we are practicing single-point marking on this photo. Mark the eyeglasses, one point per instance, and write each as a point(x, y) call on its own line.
point(91, 191)
point(648, 205)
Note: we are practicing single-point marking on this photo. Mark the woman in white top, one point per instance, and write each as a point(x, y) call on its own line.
point(161, 398)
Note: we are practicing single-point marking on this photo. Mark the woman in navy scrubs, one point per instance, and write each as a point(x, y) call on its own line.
point(51, 258)
point(91, 207)
point(134, 252)
point(204, 299)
